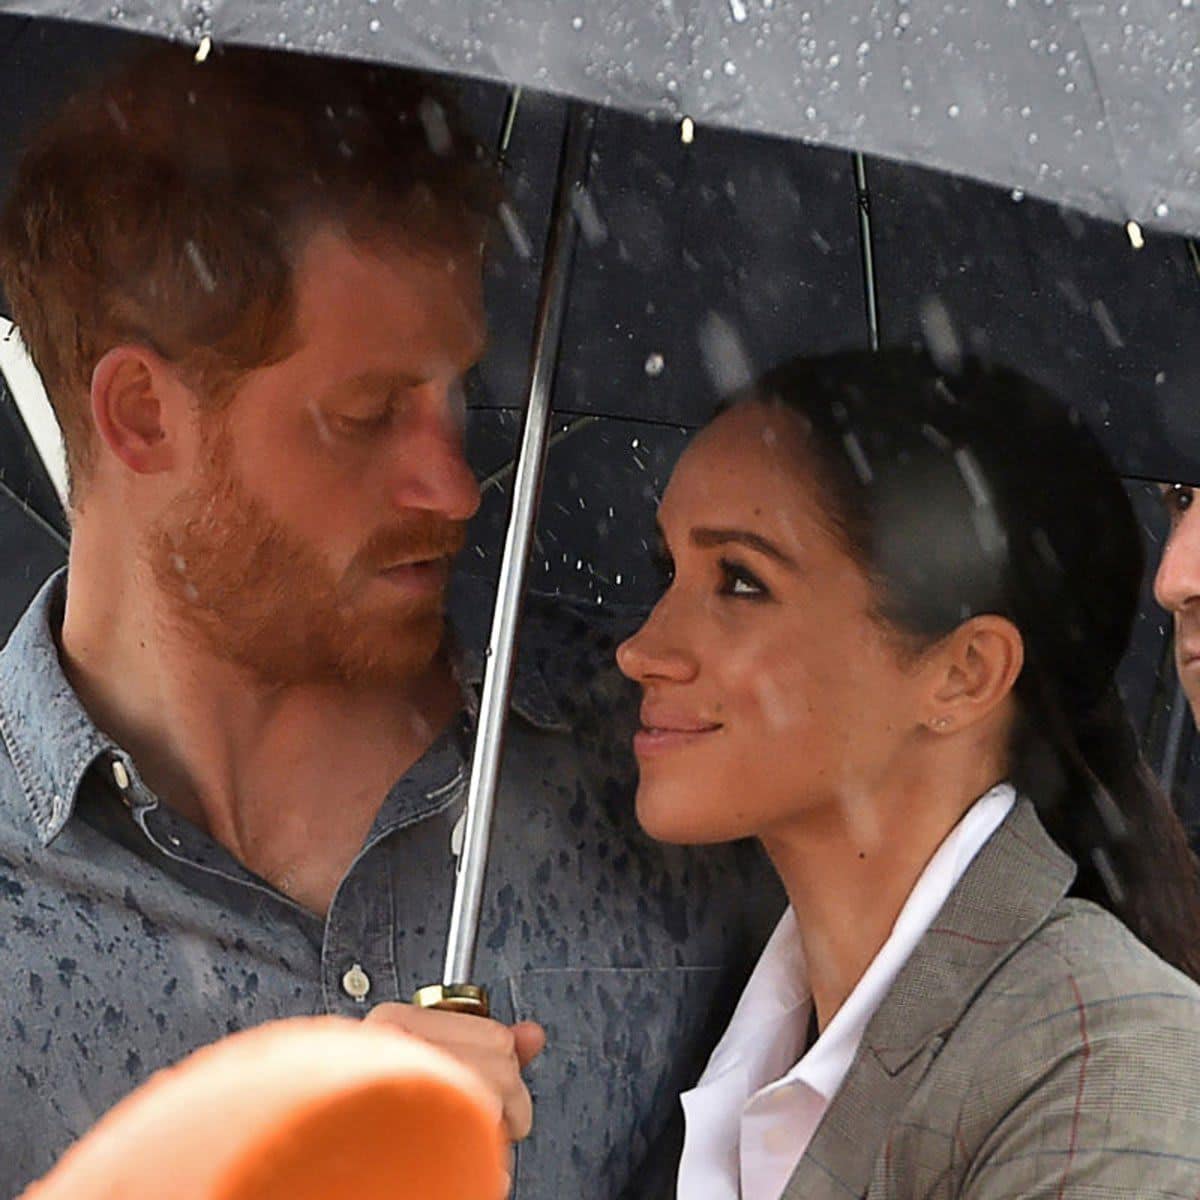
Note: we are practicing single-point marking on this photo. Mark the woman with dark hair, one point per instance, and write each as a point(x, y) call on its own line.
point(887, 650)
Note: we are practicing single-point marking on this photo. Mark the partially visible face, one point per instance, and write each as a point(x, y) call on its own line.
point(771, 693)
point(1177, 585)
point(316, 537)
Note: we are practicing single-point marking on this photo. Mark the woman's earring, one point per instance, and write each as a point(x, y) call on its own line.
point(940, 723)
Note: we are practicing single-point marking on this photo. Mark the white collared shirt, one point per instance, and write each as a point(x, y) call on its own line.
point(759, 1102)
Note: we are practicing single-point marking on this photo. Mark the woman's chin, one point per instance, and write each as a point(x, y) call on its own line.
point(678, 822)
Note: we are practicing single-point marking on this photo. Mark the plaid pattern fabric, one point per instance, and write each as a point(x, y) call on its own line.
point(1031, 1047)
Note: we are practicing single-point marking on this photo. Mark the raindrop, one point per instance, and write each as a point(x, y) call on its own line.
point(576, 22)
point(858, 458)
point(940, 336)
point(1135, 235)
point(515, 231)
point(834, 59)
point(208, 280)
point(687, 131)
point(437, 128)
point(374, 25)
point(204, 49)
point(953, 111)
point(1112, 335)
point(729, 68)
point(904, 20)
point(738, 9)
point(725, 357)
point(1160, 377)
point(654, 365)
point(591, 224)
point(1018, 195)
point(1161, 210)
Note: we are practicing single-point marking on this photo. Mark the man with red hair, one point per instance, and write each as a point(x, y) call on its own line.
point(235, 730)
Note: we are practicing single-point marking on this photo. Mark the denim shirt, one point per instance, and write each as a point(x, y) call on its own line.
point(129, 938)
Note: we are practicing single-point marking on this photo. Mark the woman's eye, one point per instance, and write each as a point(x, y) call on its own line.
point(738, 581)
point(1177, 499)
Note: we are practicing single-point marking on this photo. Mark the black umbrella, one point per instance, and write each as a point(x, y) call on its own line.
point(703, 255)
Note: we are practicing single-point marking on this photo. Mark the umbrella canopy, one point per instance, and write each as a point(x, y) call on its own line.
point(1095, 105)
point(708, 254)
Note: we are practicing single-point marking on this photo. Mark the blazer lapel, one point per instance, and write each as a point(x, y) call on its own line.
point(1004, 896)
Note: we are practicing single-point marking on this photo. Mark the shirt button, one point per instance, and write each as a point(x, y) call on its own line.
point(356, 983)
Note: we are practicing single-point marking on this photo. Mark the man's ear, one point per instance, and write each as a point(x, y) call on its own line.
point(975, 670)
point(138, 407)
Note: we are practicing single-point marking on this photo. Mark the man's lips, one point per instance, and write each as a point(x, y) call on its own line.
point(425, 574)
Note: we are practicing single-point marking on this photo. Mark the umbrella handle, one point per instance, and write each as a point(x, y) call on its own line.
point(454, 997)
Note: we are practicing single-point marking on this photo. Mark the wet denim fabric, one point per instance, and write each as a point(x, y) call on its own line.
point(129, 938)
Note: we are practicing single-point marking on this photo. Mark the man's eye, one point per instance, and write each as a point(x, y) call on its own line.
point(664, 567)
point(738, 581)
point(362, 423)
point(1177, 499)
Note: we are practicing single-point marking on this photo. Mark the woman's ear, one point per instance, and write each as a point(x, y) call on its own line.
point(976, 668)
point(137, 404)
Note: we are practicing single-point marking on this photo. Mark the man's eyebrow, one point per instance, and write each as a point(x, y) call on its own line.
point(706, 538)
point(372, 383)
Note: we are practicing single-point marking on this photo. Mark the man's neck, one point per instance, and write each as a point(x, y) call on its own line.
point(288, 780)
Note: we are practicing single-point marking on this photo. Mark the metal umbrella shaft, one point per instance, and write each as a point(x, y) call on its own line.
point(501, 654)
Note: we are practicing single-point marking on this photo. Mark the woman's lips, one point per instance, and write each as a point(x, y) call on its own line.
point(651, 740)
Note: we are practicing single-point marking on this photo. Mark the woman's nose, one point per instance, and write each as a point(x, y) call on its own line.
point(1177, 583)
point(657, 651)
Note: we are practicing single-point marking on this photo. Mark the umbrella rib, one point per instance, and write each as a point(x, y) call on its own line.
point(866, 247)
point(35, 516)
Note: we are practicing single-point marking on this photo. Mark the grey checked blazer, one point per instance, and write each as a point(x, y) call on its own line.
point(1030, 1047)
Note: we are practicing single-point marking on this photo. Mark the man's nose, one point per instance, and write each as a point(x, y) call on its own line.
point(430, 469)
point(658, 651)
point(1177, 583)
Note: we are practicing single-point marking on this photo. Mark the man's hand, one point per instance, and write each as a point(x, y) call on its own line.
point(496, 1053)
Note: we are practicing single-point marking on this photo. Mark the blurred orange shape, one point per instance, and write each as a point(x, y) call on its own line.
point(305, 1109)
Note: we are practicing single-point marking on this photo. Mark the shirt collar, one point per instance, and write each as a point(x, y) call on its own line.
point(766, 1034)
point(53, 742)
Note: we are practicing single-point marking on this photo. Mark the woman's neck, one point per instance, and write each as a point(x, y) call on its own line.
point(849, 865)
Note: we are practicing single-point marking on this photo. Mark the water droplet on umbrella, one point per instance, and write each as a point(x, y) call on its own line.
point(576, 22)
point(953, 111)
point(374, 25)
point(1134, 230)
point(687, 131)
point(654, 365)
point(1018, 195)
point(730, 68)
point(1161, 210)
point(738, 9)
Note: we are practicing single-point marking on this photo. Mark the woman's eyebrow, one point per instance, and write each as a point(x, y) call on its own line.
point(705, 537)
